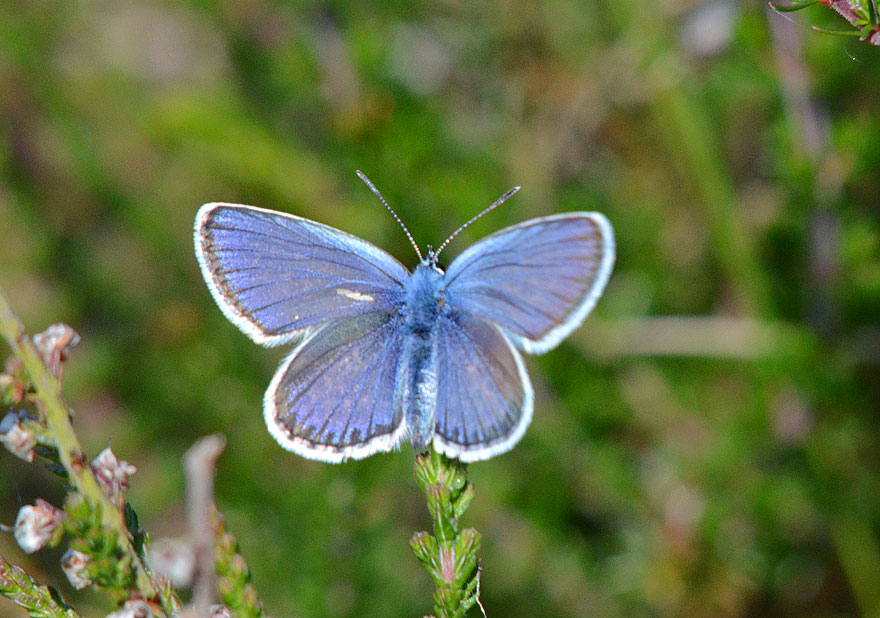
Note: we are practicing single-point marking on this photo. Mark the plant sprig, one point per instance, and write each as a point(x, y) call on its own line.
point(233, 575)
point(39, 601)
point(450, 554)
point(90, 508)
point(861, 14)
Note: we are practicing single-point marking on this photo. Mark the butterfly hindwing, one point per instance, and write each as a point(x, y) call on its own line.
point(538, 280)
point(484, 397)
point(334, 397)
point(275, 274)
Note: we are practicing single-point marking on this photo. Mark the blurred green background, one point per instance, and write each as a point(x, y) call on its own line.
point(705, 445)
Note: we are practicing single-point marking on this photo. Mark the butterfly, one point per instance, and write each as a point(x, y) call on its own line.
point(383, 354)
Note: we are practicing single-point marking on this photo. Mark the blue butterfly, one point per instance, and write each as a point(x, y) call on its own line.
point(383, 354)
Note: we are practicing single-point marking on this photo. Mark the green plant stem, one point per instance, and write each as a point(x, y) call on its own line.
point(48, 398)
point(39, 601)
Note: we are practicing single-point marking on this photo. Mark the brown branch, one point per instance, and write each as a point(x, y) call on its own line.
point(199, 465)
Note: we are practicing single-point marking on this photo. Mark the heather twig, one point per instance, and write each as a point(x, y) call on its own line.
point(233, 575)
point(861, 14)
point(450, 554)
point(101, 518)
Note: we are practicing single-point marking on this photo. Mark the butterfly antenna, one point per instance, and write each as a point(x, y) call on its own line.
point(375, 191)
point(494, 205)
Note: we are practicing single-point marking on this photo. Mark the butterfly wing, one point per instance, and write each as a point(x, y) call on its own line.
point(484, 397)
point(537, 280)
point(275, 275)
point(335, 396)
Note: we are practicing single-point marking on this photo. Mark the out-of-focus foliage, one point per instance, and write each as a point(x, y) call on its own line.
point(706, 445)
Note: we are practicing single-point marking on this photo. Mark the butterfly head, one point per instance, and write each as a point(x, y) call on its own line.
point(431, 260)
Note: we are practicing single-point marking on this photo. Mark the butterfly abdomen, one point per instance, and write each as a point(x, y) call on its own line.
point(420, 389)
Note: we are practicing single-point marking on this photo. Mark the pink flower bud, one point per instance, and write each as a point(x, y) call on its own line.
point(36, 524)
point(112, 474)
point(74, 564)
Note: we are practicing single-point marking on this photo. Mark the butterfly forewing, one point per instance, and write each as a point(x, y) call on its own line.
point(334, 397)
point(275, 274)
point(484, 397)
point(538, 280)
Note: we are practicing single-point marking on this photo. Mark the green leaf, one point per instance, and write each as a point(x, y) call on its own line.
point(836, 32)
point(790, 8)
point(39, 601)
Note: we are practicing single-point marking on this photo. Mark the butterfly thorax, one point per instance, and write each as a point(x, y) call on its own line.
point(424, 305)
point(424, 298)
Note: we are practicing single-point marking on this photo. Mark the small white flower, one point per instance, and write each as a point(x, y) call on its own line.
point(133, 608)
point(35, 525)
point(112, 473)
point(16, 438)
point(74, 564)
point(54, 344)
point(175, 559)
